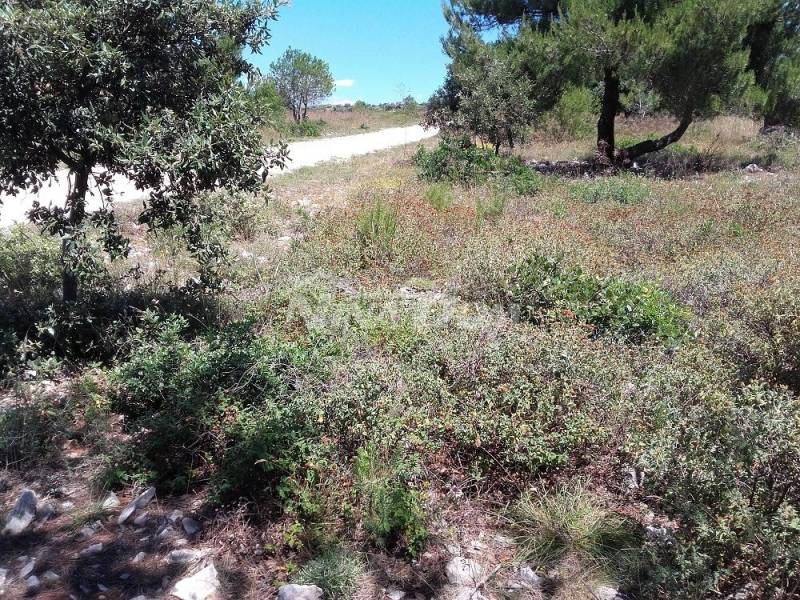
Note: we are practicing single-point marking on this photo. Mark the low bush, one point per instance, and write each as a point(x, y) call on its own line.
point(541, 289)
point(621, 189)
point(456, 160)
point(307, 128)
point(728, 466)
point(214, 406)
point(393, 515)
point(30, 433)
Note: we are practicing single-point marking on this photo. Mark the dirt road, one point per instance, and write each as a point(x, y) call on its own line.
point(302, 154)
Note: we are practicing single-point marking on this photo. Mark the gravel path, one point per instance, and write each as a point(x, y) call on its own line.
point(302, 154)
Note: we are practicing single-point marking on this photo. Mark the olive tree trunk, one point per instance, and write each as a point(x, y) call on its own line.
point(76, 205)
point(608, 113)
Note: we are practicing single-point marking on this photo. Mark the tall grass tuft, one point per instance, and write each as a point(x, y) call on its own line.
point(376, 228)
point(570, 523)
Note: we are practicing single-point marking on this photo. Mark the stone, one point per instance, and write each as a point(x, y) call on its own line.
point(50, 577)
point(463, 571)
point(467, 593)
point(176, 516)
point(67, 505)
point(27, 568)
point(182, 557)
point(190, 526)
point(527, 578)
point(3, 578)
point(199, 586)
point(45, 512)
point(299, 592)
point(142, 519)
point(141, 501)
point(395, 594)
point(111, 501)
point(22, 514)
point(139, 557)
point(605, 592)
point(753, 168)
point(91, 550)
point(33, 584)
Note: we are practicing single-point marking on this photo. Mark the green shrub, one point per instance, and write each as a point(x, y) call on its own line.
point(571, 523)
point(573, 115)
point(337, 573)
point(212, 406)
point(439, 196)
point(455, 160)
point(241, 215)
point(759, 333)
point(541, 289)
point(728, 465)
point(30, 279)
point(30, 433)
point(307, 128)
point(392, 512)
point(376, 227)
point(620, 189)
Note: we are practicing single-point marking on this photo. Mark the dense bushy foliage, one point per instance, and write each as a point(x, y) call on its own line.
point(456, 160)
point(542, 289)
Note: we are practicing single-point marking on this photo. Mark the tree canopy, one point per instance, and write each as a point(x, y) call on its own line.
point(149, 90)
point(692, 53)
point(301, 80)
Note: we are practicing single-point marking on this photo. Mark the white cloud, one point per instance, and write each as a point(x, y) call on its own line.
point(341, 102)
point(345, 83)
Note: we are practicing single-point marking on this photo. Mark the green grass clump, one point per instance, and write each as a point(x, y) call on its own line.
point(439, 196)
point(571, 523)
point(622, 190)
point(337, 573)
point(376, 228)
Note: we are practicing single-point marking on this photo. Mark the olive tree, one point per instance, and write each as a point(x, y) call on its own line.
point(301, 80)
point(486, 95)
point(148, 90)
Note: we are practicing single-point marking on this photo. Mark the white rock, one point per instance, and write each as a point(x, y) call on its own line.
point(67, 505)
point(199, 586)
point(182, 557)
point(176, 516)
point(111, 501)
point(190, 526)
point(3, 577)
point(395, 594)
point(27, 568)
point(299, 592)
point(142, 519)
point(22, 514)
point(91, 550)
point(142, 500)
point(463, 571)
point(33, 583)
point(605, 592)
point(753, 168)
point(50, 577)
point(139, 557)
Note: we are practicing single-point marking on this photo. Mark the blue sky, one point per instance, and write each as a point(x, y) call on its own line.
point(378, 50)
